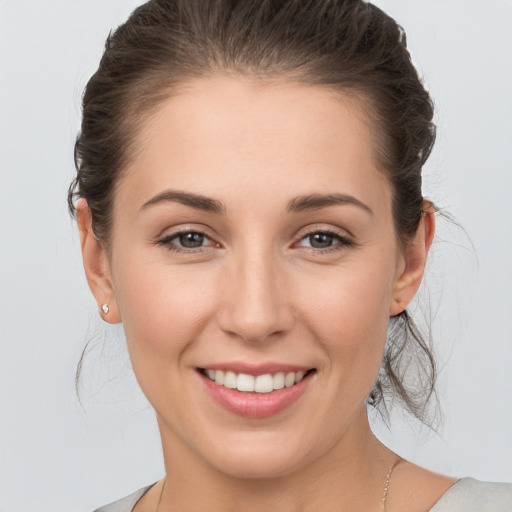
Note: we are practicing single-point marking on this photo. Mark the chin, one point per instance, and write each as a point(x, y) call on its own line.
point(258, 466)
point(262, 456)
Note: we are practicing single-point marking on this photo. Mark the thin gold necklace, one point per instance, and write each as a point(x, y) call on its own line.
point(388, 482)
point(161, 494)
point(384, 497)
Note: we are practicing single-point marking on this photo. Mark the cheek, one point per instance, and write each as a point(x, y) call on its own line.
point(350, 315)
point(161, 306)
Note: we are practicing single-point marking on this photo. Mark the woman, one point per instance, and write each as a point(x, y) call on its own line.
point(250, 208)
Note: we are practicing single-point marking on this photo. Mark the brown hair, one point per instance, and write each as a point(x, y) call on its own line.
point(347, 45)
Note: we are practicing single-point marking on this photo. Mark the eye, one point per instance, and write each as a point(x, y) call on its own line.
point(187, 241)
point(191, 240)
point(320, 240)
point(325, 241)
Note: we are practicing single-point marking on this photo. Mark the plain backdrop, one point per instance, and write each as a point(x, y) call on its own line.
point(59, 455)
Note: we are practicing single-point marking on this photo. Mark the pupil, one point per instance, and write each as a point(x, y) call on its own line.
point(320, 240)
point(191, 240)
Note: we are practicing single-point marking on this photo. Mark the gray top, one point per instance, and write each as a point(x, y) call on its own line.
point(470, 495)
point(466, 495)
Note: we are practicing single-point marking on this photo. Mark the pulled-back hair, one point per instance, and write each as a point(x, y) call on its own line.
point(347, 45)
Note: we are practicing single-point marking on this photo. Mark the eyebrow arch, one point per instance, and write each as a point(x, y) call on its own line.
point(298, 204)
point(317, 201)
point(188, 199)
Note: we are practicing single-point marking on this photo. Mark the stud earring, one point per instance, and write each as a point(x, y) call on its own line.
point(105, 309)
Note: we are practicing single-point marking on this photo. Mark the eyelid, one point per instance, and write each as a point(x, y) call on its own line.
point(184, 227)
point(169, 234)
point(322, 228)
point(344, 239)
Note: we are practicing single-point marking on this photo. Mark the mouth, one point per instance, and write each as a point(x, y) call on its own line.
point(264, 383)
point(258, 395)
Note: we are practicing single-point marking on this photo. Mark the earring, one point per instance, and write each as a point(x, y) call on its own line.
point(105, 309)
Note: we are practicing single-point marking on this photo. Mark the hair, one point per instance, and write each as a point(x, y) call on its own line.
point(350, 46)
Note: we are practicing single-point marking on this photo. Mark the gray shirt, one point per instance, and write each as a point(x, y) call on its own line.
point(466, 495)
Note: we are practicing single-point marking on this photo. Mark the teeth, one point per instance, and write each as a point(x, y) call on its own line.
point(230, 380)
point(278, 380)
point(261, 384)
point(289, 380)
point(264, 383)
point(219, 377)
point(244, 382)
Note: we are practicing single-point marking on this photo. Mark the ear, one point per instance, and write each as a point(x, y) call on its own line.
point(96, 265)
point(415, 258)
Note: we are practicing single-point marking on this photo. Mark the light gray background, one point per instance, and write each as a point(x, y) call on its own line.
point(56, 455)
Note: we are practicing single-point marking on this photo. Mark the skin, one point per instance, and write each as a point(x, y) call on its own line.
point(258, 291)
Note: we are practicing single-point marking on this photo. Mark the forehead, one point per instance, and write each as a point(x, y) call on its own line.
point(227, 136)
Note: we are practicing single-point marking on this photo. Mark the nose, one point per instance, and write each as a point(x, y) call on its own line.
point(256, 305)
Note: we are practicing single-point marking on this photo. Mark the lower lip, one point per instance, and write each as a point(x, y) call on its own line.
point(256, 405)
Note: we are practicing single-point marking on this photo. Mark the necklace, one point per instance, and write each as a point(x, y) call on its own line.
point(161, 494)
point(388, 482)
point(384, 497)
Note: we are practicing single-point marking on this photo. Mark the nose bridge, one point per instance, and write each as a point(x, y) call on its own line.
point(256, 305)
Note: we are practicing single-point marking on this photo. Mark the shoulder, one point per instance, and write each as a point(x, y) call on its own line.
point(470, 495)
point(418, 489)
point(125, 504)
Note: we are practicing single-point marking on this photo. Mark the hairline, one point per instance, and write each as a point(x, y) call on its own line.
point(142, 112)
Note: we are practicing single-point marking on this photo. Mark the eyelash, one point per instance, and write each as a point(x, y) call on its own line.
point(340, 241)
point(343, 242)
point(168, 244)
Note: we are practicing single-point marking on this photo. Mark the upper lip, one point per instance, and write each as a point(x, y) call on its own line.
point(256, 369)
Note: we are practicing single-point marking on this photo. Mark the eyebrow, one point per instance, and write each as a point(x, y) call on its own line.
point(299, 204)
point(317, 201)
point(188, 199)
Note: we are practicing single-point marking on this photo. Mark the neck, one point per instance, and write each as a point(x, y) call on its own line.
point(350, 476)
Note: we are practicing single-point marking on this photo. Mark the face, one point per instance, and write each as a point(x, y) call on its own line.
point(254, 265)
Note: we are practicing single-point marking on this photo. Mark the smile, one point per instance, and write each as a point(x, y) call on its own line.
point(265, 383)
point(256, 393)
